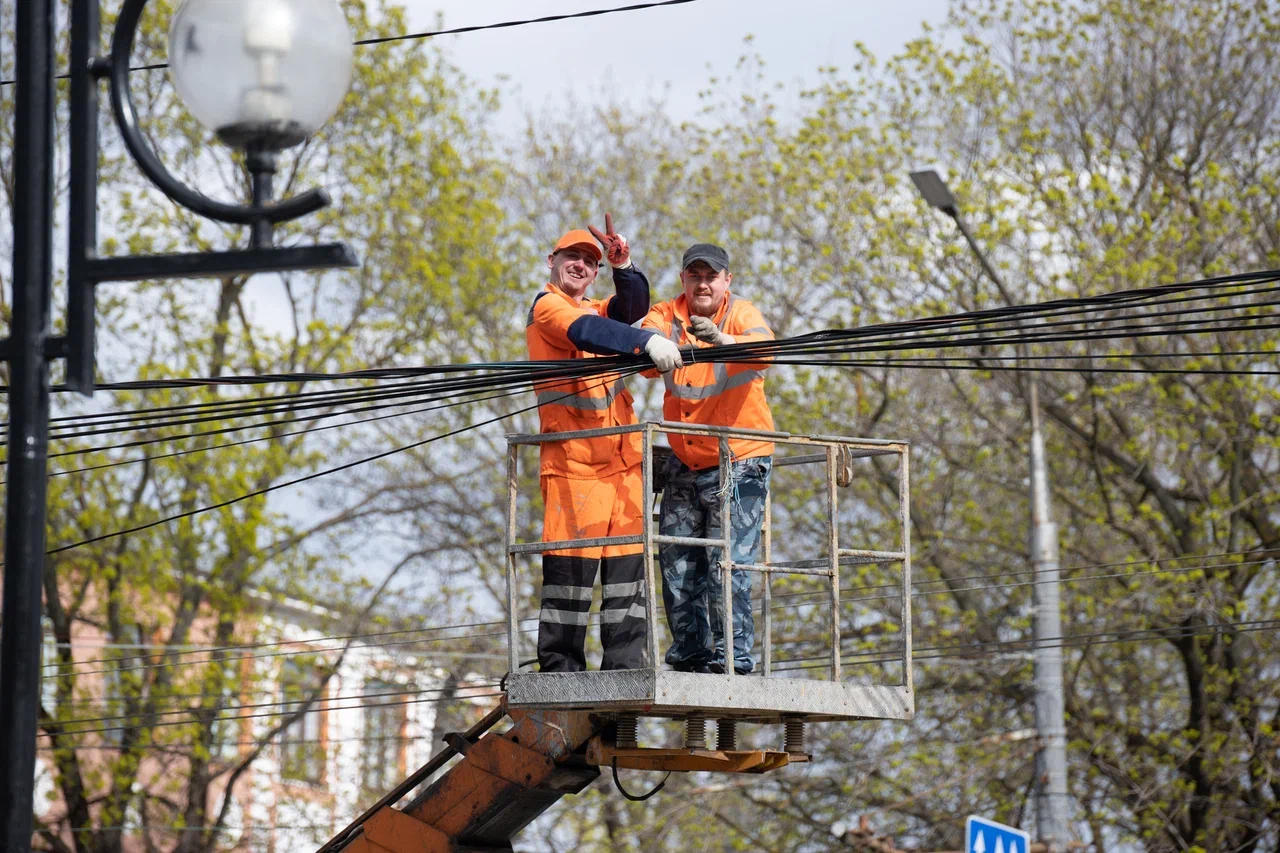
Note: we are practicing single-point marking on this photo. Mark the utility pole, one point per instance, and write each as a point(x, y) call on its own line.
point(281, 110)
point(28, 434)
point(1051, 756)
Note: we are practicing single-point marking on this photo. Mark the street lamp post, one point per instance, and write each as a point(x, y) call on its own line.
point(263, 74)
point(1051, 757)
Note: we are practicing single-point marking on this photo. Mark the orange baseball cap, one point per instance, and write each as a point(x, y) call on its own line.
point(582, 239)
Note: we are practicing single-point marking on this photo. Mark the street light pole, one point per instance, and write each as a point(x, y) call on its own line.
point(1051, 757)
point(301, 51)
point(28, 433)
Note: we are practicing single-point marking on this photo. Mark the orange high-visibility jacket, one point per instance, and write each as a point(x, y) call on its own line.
point(714, 394)
point(575, 404)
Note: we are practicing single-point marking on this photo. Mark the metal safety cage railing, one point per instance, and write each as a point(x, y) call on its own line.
point(655, 691)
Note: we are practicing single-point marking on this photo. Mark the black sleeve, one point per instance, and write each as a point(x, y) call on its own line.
point(602, 336)
point(632, 300)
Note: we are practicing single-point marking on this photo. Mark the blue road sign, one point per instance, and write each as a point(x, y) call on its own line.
point(987, 836)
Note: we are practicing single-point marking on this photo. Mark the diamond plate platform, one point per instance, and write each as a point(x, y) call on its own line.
point(677, 695)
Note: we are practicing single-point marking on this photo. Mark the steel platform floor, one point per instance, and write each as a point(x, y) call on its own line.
point(677, 695)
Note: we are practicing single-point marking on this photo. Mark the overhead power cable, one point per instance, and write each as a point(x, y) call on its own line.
point(273, 436)
point(282, 705)
point(449, 388)
point(399, 704)
point(966, 650)
point(452, 401)
point(982, 649)
point(901, 335)
point(531, 622)
point(844, 602)
point(762, 351)
point(292, 482)
point(475, 28)
point(942, 332)
point(309, 644)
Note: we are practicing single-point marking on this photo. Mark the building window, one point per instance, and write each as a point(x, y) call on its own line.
point(50, 669)
point(226, 727)
point(302, 748)
point(384, 716)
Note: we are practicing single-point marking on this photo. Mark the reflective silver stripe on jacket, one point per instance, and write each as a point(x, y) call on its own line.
point(581, 401)
point(723, 382)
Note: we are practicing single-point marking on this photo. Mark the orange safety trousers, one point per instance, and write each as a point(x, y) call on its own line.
point(592, 509)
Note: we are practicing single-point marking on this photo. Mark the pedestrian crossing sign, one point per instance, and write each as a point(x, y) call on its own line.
point(987, 836)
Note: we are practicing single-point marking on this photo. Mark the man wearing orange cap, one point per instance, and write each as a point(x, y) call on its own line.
point(591, 486)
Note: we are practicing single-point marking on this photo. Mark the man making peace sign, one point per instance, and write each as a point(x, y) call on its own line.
point(591, 486)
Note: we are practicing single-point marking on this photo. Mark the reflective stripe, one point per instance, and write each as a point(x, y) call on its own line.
point(612, 615)
point(758, 330)
point(727, 311)
point(552, 616)
point(582, 402)
point(618, 590)
point(723, 382)
point(568, 593)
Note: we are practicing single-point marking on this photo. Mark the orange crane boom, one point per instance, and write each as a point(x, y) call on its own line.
point(504, 781)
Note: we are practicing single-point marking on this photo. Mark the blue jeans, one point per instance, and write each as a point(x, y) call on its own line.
point(693, 586)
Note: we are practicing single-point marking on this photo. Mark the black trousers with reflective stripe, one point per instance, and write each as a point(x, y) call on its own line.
point(566, 599)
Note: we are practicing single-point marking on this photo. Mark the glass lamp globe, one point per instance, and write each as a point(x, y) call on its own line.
point(262, 74)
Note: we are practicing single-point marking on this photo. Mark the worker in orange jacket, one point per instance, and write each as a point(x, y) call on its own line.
point(591, 486)
point(711, 394)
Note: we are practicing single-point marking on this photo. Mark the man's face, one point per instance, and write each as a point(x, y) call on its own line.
point(572, 270)
point(705, 287)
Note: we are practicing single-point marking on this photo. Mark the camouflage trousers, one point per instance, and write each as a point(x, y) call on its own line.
point(693, 586)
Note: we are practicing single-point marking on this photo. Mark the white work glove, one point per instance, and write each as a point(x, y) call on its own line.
point(704, 330)
point(665, 355)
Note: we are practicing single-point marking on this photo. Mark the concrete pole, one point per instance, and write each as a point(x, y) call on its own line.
point(1051, 758)
point(1052, 804)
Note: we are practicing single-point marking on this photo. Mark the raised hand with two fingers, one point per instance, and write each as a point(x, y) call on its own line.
point(615, 245)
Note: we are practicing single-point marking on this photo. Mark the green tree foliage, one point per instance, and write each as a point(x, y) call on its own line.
point(138, 737)
point(1094, 146)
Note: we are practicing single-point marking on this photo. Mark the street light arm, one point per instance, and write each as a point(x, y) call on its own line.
point(982, 258)
point(126, 117)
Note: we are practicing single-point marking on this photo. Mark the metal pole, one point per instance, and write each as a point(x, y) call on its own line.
point(833, 554)
point(650, 580)
point(513, 583)
point(767, 606)
point(982, 259)
point(904, 517)
point(726, 551)
point(24, 542)
point(82, 206)
point(1051, 758)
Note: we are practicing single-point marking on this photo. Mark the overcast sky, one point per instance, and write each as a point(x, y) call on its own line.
point(646, 51)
